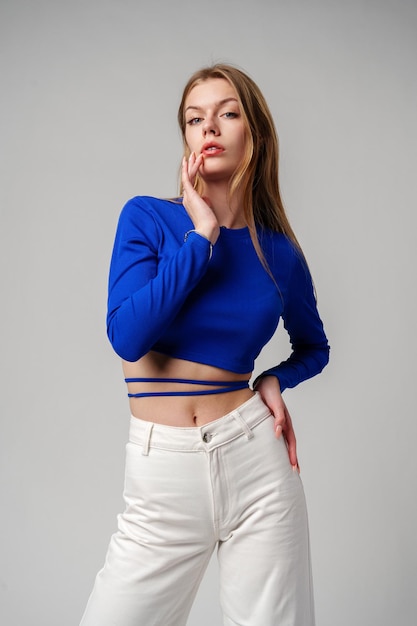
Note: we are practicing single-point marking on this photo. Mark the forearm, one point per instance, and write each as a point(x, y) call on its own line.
point(135, 323)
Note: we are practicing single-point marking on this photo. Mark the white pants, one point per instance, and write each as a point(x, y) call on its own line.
point(187, 490)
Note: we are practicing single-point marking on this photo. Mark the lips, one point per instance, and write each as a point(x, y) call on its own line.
point(212, 149)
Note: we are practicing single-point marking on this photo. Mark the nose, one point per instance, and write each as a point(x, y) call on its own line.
point(210, 127)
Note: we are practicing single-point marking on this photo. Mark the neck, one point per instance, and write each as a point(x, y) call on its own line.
point(229, 212)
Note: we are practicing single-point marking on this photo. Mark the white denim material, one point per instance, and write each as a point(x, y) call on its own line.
point(228, 484)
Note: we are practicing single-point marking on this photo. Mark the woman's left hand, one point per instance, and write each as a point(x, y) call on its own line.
point(268, 387)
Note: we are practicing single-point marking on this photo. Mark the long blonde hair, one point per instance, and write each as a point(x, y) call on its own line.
point(257, 175)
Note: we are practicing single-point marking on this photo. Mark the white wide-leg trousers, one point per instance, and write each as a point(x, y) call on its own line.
point(187, 490)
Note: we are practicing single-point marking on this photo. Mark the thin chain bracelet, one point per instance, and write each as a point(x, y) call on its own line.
point(203, 236)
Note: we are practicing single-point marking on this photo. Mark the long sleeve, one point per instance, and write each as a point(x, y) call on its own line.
point(310, 348)
point(146, 288)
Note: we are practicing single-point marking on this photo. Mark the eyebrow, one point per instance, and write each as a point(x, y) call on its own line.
point(217, 104)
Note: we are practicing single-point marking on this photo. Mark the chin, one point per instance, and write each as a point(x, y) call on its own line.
point(215, 173)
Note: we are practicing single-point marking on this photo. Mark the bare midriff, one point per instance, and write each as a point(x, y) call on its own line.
point(184, 410)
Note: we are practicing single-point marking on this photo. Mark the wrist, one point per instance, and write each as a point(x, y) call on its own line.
point(203, 237)
point(267, 381)
point(210, 232)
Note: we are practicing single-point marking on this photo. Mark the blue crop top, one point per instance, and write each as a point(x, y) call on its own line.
point(167, 293)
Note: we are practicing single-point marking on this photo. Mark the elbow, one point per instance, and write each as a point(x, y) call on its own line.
point(123, 346)
point(323, 357)
point(314, 358)
point(125, 352)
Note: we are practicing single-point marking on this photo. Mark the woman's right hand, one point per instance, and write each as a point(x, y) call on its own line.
point(203, 217)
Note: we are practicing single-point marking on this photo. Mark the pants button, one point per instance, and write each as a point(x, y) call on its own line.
point(207, 437)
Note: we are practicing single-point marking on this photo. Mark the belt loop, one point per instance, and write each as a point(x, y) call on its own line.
point(237, 416)
point(147, 440)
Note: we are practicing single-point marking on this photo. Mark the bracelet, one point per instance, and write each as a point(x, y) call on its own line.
point(203, 236)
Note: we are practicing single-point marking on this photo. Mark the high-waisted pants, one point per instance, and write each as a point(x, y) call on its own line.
point(228, 484)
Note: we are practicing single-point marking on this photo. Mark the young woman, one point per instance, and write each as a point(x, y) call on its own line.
point(197, 286)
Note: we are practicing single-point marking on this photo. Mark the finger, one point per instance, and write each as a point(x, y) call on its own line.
point(292, 447)
point(194, 164)
point(185, 176)
point(191, 162)
point(184, 168)
point(279, 429)
point(279, 420)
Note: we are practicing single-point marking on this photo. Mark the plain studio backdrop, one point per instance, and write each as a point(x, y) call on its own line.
point(89, 94)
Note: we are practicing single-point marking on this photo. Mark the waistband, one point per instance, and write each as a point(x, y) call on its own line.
point(221, 387)
point(239, 422)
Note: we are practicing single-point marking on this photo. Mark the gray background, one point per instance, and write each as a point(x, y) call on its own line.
point(89, 92)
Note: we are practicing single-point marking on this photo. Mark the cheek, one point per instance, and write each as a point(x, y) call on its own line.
point(242, 144)
point(190, 138)
point(242, 137)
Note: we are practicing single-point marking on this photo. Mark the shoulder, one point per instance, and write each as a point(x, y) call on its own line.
point(285, 260)
point(279, 249)
point(142, 207)
point(147, 213)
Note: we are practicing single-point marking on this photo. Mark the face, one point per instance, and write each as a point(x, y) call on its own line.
point(214, 127)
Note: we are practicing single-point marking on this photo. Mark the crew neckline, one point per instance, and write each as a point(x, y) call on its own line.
point(225, 230)
point(234, 232)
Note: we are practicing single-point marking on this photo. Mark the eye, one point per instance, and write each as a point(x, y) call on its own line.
point(193, 121)
point(230, 115)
